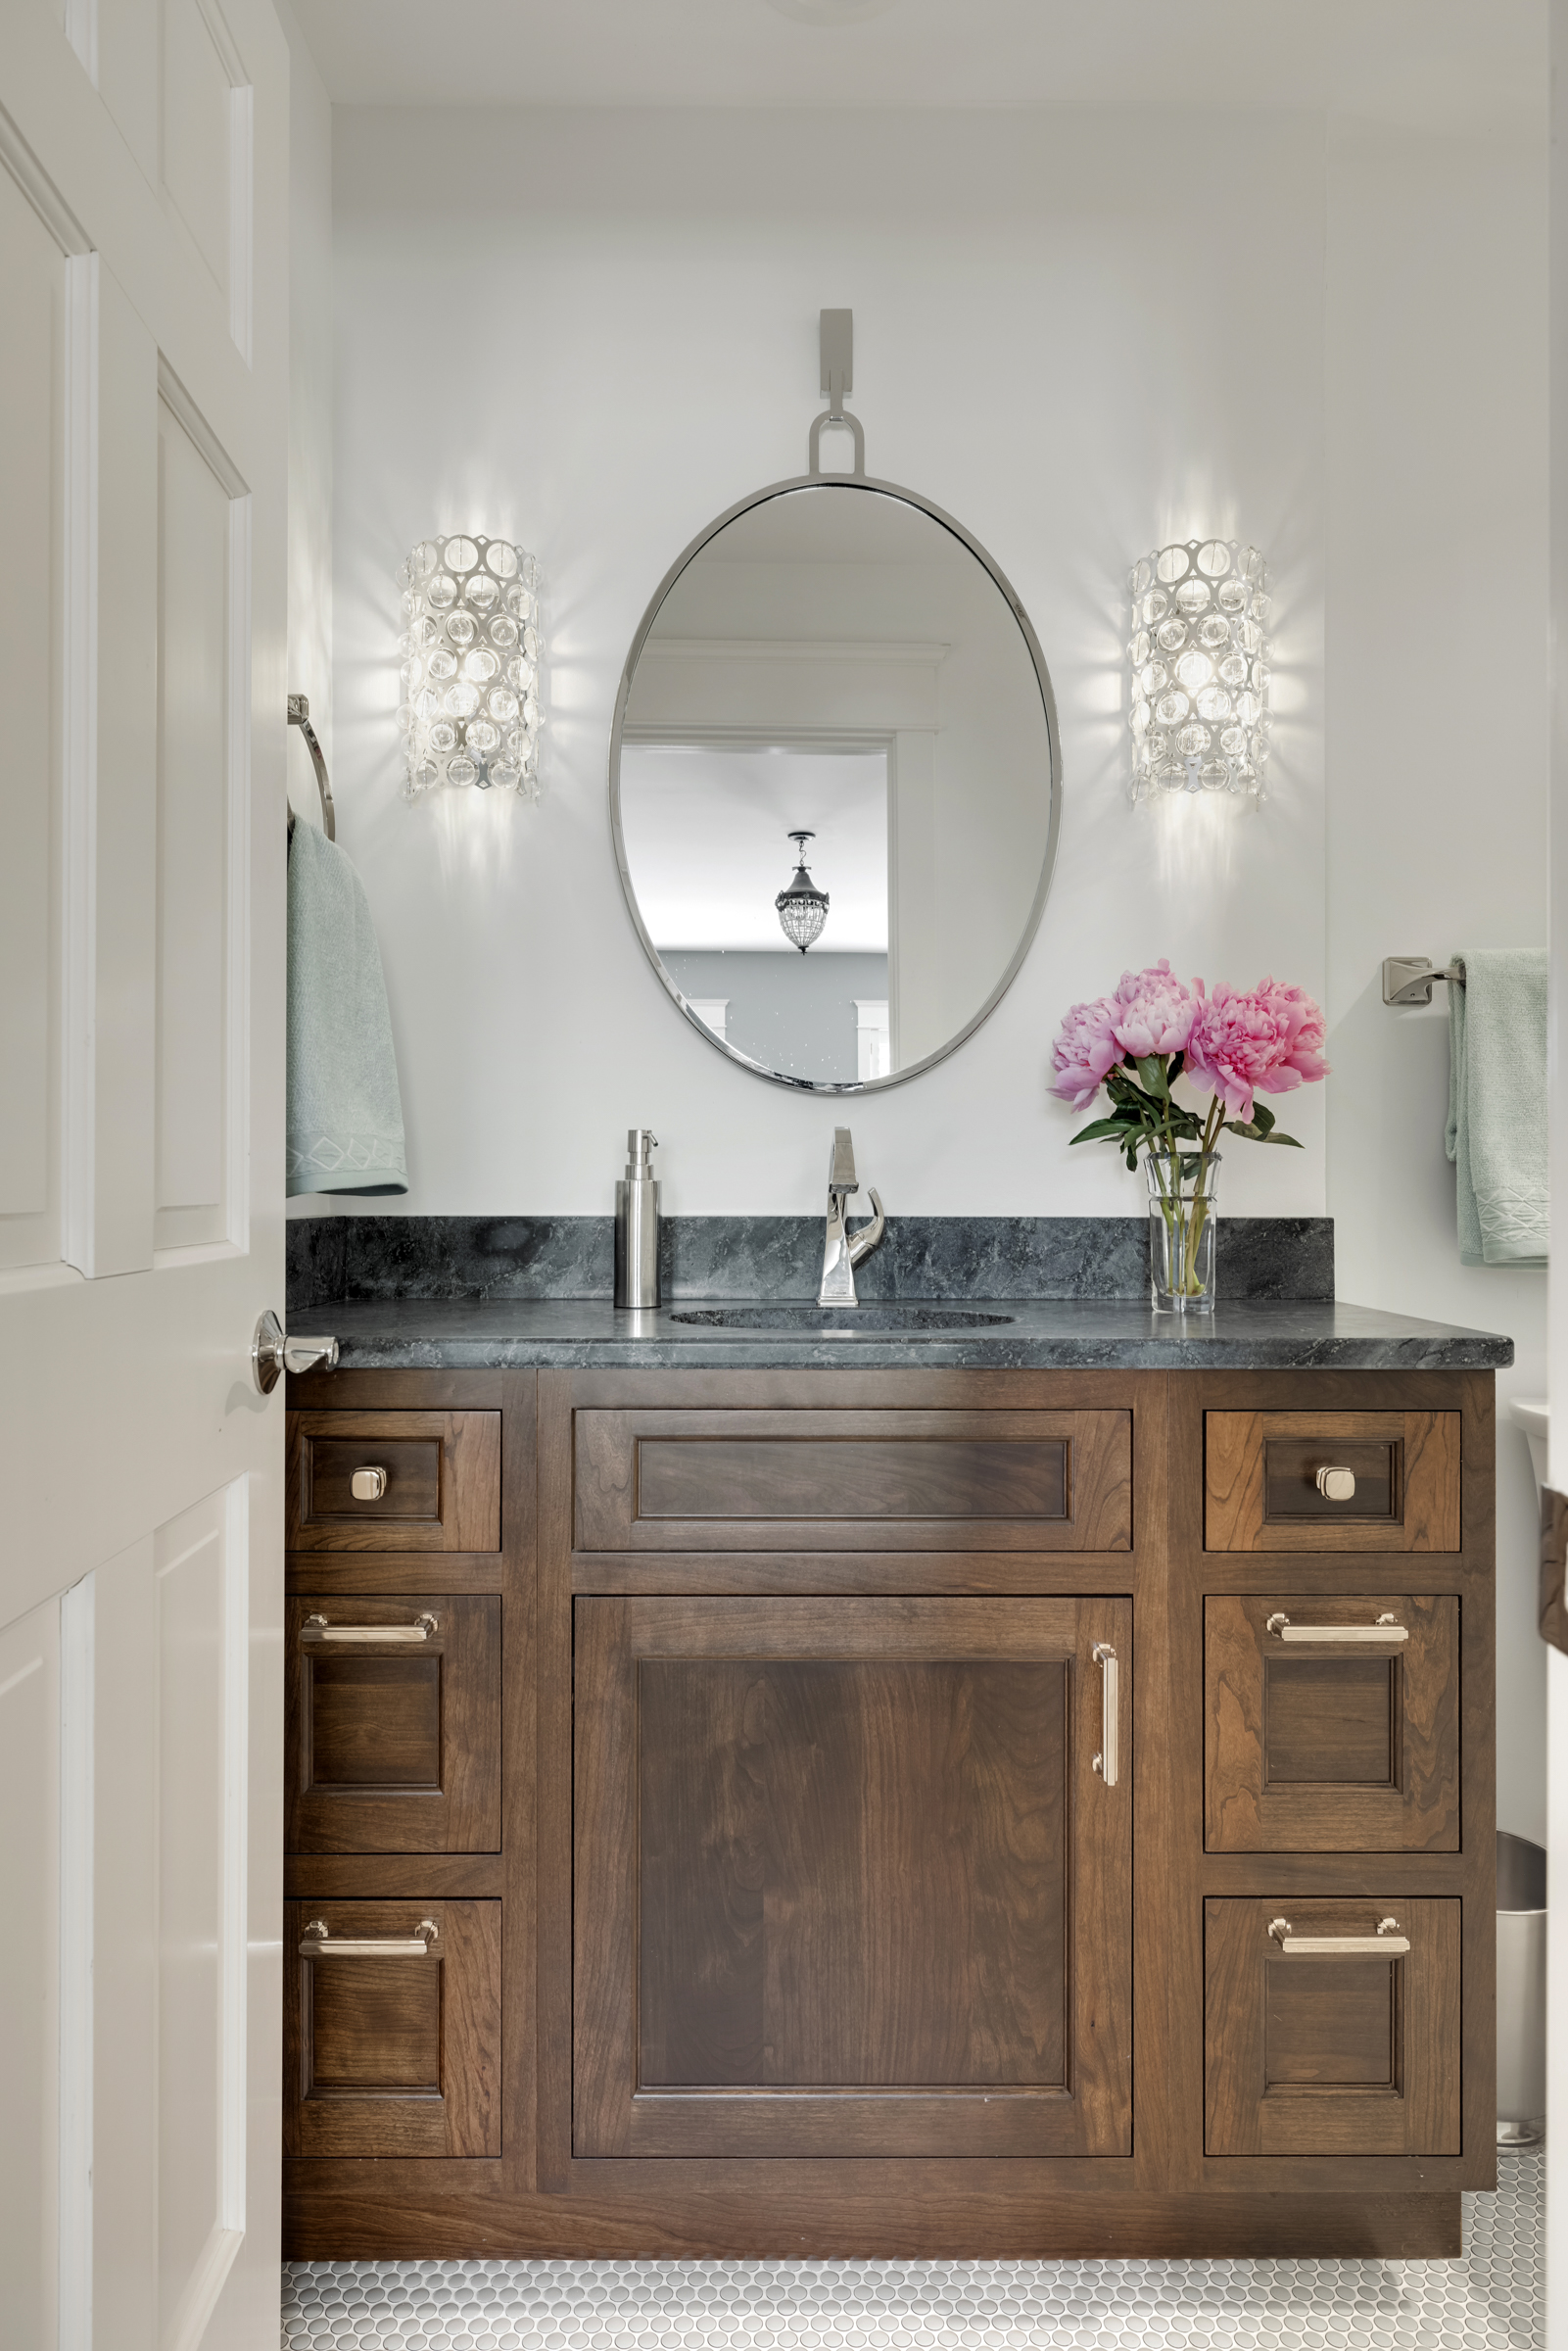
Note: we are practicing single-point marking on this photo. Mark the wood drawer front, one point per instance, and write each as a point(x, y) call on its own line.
point(393, 2056)
point(1331, 2056)
point(846, 1881)
point(1331, 1747)
point(442, 1481)
point(853, 1481)
point(393, 1747)
point(1261, 1490)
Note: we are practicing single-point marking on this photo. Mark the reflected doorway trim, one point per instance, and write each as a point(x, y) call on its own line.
point(745, 505)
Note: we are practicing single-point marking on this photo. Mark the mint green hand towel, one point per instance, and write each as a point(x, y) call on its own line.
point(345, 1109)
point(1496, 1136)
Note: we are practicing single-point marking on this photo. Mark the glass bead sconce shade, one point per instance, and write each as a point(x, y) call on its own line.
point(469, 709)
point(1199, 658)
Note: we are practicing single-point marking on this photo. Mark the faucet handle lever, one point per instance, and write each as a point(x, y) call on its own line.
point(863, 1242)
point(841, 1175)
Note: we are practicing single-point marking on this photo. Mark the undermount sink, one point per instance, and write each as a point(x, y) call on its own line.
point(849, 1319)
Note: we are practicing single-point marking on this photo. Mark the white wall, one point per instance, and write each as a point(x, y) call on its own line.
point(593, 332)
point(1436, 738)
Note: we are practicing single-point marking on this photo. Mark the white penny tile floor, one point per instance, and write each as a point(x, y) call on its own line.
point(1491, 2300)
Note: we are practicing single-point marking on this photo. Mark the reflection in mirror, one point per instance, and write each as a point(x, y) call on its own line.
point(836, 660)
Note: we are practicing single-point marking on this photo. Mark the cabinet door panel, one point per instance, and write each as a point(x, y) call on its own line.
point(853, 1481)
point(847, 1882)
point(394, 1746)
point(1261, 1492)
point(396, 2055)
point(1330, 2054)
point(1336, 1746)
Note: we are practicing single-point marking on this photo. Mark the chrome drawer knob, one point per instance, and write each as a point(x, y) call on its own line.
point(1337, 1485)
point(368, 1485)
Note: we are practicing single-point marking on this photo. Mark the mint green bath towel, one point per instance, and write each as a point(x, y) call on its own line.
point(1497, 1135)
point(345, 1109)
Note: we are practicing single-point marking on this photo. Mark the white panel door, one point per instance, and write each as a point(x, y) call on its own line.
point(143, 453)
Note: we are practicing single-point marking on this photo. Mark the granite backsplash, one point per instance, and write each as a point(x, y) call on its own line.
point(379, 1257)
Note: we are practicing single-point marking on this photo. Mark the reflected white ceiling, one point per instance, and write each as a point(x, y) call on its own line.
point(1403, 60)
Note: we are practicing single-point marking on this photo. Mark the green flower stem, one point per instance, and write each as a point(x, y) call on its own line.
point(1184, 1227)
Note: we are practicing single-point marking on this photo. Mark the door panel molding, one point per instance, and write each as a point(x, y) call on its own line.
point(78, 1668)
point(209, 1540)
point(40, 189)
point(30, 1974)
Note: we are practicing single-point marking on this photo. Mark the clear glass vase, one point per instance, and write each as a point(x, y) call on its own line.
point(1183, 1212)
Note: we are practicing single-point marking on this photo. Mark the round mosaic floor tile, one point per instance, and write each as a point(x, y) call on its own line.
point(1491, 2300)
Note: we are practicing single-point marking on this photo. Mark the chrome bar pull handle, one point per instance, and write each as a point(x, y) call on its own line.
point(316, 1943)
point(1337, 1485)
point(1387, 1629)
point(1388, 1942)
point(320, 1628)
point(1108, 1761)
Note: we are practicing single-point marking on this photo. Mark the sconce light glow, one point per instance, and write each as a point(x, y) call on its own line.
point(469, 712)
point(1199, 713)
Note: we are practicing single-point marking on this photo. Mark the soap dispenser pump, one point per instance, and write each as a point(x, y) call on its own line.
point(637, 1224)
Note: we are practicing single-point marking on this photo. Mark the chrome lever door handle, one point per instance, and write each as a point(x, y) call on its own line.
point(272, 1354)
point(1108, 1761)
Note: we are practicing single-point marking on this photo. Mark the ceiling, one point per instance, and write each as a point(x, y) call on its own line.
point(707, 843)
point(1405, 60)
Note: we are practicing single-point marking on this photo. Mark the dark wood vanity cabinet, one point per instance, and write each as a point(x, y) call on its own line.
point(889, 1814)
point(846, 1881)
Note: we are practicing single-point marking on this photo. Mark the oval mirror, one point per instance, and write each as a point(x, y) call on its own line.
point(834, 782)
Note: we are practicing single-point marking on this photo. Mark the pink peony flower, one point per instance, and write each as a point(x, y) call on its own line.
point(1084, 1051)
point(1153, 1011)
point(1308, 1035)
point(1267, 1040)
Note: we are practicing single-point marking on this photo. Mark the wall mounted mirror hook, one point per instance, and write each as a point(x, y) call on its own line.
point(836, 334)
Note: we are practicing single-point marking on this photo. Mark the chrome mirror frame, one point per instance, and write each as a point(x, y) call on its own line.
point(856, 481)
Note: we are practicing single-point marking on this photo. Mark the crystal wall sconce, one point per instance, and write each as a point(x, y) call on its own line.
point(469, 713)
point(1199, 713)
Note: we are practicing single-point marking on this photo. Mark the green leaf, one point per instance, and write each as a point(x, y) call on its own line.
point(1100, 1130)
point(1151, 1069)
point(1262, 1119)
point(1260, 1135)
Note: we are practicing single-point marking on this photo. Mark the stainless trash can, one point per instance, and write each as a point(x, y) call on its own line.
point(1521, 1992)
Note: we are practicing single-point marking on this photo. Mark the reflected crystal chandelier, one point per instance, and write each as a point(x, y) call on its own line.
point(470, 665)
point(802, 908)
point(1200, 670)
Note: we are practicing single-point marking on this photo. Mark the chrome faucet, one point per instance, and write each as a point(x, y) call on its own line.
point(842, 1251)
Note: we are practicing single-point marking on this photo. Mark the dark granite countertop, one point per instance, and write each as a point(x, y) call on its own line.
point(1027, 1334)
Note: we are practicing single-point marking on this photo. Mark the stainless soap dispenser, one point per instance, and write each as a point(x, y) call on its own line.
point(637, 1225)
